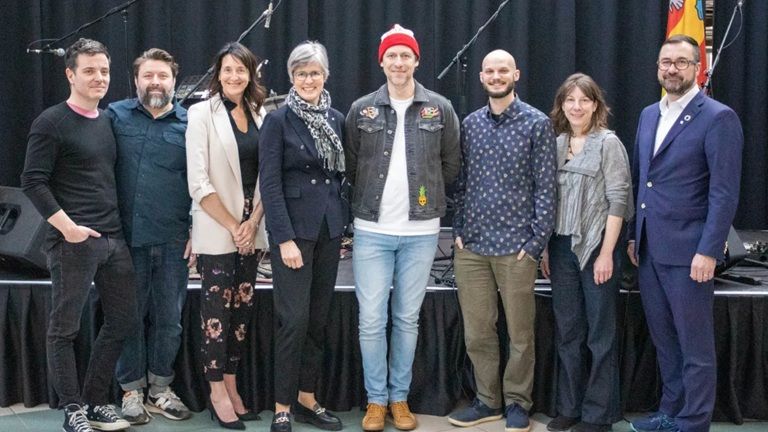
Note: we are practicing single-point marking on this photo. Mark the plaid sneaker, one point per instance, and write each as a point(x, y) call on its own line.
point(167, 404)
point(133, 409)
point(75, 419)
point(104, 417)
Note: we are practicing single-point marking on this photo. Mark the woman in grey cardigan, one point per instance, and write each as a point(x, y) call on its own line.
point(594, 188)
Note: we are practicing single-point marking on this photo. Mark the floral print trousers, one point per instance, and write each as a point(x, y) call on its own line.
point(226, 300)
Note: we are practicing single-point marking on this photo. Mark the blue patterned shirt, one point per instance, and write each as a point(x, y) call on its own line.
point(505, 195)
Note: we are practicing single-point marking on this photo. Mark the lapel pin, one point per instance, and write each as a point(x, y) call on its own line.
point(687, 117)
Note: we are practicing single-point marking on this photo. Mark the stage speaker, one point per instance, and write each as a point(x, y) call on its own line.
point(22, 232)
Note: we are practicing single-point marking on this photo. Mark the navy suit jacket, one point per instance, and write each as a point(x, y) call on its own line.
point(688, 192)
point(296, 191)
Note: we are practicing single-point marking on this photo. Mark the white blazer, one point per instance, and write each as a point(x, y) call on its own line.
point(213, 165)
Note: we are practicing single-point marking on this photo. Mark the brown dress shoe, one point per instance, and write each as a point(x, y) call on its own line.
point(402, 417)
point(374, 417)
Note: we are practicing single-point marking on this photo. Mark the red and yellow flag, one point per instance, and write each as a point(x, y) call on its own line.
point(687, 17)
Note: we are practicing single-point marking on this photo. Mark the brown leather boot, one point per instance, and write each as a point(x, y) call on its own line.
point(374, 417)
point(402, 417)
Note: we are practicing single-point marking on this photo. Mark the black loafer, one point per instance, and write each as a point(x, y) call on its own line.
point(281, 422)
point(317, 416)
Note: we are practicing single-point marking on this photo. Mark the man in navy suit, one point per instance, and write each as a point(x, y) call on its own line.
point(686, 171)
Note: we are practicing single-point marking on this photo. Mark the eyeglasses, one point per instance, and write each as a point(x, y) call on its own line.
point(680, 64)
point(302, 76)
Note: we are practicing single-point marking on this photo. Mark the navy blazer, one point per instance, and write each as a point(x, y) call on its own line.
point(297, 192)
point(688, 192)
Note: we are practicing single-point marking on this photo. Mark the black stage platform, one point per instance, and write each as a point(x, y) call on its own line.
point(442, 373)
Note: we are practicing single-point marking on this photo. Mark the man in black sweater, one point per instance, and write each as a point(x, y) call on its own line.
point(69, 177)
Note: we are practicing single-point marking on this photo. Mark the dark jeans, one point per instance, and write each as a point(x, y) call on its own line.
point(107, 262)
point(226, 301)
point(585, 335)
point(161, 290)
point(302, 301)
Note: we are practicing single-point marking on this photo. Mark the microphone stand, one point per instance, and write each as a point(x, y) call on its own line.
point(124, 14)
point(708, 83)
point(264, 15)
point(123, 10)
point(461, 62)
point(114, 10)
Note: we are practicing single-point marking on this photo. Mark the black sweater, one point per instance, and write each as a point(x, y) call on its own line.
point(70, 165)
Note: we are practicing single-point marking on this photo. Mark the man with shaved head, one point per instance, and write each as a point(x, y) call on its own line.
point(505, 212)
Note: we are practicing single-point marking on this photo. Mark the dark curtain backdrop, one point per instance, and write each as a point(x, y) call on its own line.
point(441, 370)
point(740, 81)
point(614, 41)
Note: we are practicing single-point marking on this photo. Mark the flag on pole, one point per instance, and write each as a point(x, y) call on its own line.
point(687, 17)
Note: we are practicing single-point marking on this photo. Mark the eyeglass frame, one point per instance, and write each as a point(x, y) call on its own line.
point(677, 64)
point(302, 76)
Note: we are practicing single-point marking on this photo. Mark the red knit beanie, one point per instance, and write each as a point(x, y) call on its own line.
point(398, 36)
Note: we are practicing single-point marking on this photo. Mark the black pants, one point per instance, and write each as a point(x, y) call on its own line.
point(107, 262)
point(586, 337)
point(302, 301)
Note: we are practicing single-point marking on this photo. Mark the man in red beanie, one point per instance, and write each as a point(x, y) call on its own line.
point(402, 148)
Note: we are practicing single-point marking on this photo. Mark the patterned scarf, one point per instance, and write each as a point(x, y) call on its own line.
point(314, 116)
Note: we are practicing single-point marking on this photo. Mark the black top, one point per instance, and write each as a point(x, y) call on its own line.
point(70, 165)
point(247, 147)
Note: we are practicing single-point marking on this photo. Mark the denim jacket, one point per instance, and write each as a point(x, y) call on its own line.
point(432, 151)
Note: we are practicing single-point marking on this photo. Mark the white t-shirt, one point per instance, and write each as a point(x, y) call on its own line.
point(395, 200)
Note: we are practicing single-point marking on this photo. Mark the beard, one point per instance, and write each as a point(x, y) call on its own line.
point(677, 86)
point(153, 100)
point(499, 94)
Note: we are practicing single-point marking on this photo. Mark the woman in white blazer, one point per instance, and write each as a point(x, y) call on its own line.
point(222, 165)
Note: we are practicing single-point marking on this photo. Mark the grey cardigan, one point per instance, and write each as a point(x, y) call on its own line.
point(594, 184)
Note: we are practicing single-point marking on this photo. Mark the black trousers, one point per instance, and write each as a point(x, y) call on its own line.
point(302, 301)
point(107, 262)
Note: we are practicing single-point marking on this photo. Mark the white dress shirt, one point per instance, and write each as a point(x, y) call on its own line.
point(670, 111)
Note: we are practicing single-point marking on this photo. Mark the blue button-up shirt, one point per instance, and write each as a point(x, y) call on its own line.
point(151, 173)
point(505, 195)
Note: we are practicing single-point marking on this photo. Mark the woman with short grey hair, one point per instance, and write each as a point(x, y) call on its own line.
point(306, 53)
point(301, 166)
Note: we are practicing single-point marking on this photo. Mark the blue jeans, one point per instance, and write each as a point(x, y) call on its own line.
point(585, 335)
point(161, 289)
point(378, 261)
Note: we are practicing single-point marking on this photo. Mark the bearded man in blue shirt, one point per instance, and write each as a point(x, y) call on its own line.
point(154, 202)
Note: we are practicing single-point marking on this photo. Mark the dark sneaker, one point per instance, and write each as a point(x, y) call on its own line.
point(656, 422)
point(104, 417)
point(591, 427)
point(167, 404)
point(75, 419)
point(517, 419)
point(133, 410)
point(476, 413)
point(562, 423)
